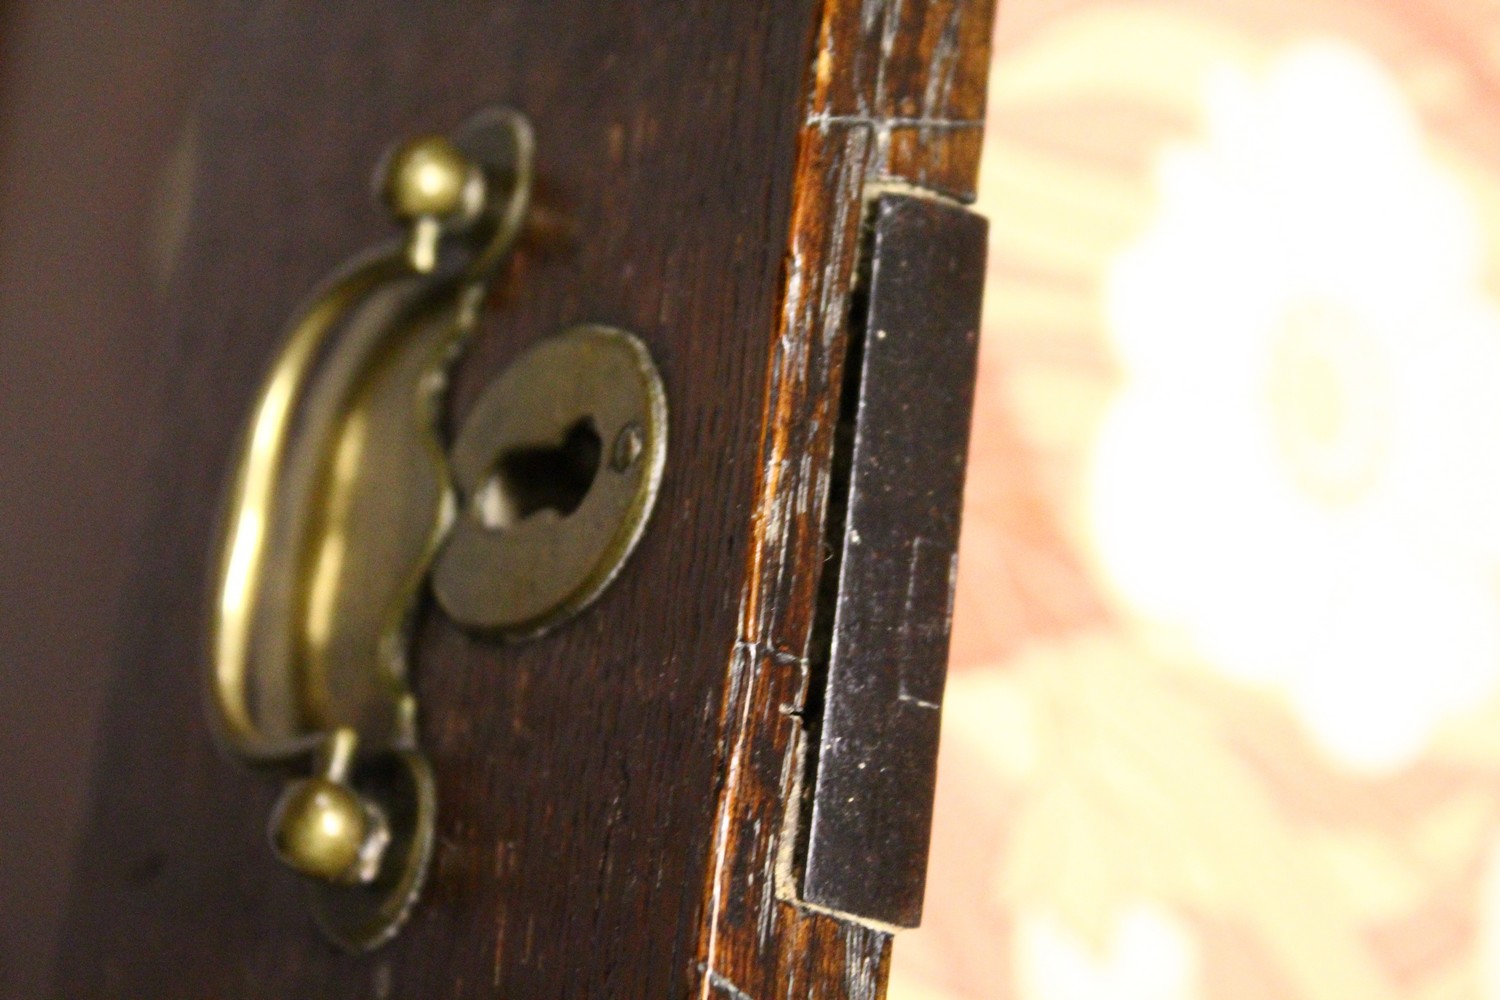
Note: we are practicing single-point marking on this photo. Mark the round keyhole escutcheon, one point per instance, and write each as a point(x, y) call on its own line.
point(556, 469)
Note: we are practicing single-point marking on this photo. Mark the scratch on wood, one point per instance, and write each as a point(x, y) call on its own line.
point(863, 968)
point(793, 779)
point(944, 65)
point(756, 650)
point(889, 32)
point(739, 703)
point(836, 293)
point(766, 920)
point(823, 120)
point(713, 980)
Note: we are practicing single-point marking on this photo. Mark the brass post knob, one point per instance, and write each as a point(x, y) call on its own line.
point(431, 185)
point(323, 829)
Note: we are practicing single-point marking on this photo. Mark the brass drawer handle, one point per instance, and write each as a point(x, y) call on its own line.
point(343, 496)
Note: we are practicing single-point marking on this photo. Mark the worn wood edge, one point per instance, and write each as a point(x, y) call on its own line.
point(895, 102)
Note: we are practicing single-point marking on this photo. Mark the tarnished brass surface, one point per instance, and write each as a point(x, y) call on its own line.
point(339, 500)
point(557, 470)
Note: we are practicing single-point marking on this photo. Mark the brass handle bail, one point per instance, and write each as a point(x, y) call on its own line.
point(340, 499)
point(345, 505)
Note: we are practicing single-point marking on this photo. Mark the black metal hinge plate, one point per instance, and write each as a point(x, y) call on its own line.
point(888, 591)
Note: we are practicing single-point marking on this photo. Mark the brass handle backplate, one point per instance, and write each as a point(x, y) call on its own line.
point(344, 497)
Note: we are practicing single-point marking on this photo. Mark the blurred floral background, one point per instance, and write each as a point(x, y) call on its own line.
point(1224, 712)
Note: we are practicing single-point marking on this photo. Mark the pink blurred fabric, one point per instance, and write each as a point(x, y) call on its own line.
point(1224, 710)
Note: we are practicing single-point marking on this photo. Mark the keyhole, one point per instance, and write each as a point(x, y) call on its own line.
point(527, 481)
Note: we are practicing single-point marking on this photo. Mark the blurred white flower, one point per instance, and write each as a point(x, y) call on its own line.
point(1150, 957)
point(1301, 473)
